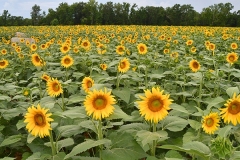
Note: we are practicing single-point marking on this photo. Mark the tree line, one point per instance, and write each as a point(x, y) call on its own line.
point(92, 13)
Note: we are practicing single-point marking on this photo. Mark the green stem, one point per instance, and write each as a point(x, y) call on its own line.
point(100, 136)
point(66, 74)
point(200, 91)
point(118, 80)
point(153, 149)
point(40, 90)
point(52, 144)
point(146, 81)
point(63, 105)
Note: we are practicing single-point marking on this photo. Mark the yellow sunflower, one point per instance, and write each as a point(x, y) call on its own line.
point(99, 104)
point(54, 87)
point(3, 63)
point(212, 46)
point(37, 60)
point(87, 83)
point(33, 47)
point(67, 61)
point(38, 121)
point(45, 77)
point(231, 113)
point(194, 65)
point(234, 45)
point(103, 66)
point(120, 50)
point(64, 48)
point(232, 57)
point(43, 46)
point(154, 105)
point(193, 49)
point(4, 51)
point(189, 42)
point(210, 123)
point(123, 65)
point(86, 44)
point(142, 48)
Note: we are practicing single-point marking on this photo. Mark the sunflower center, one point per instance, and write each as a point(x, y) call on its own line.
point(122, 65)
point(209, 122)
point(195, 65)
point(67, 61)
point(2, 63)
point(234, 108)
point(89, 84)
point(141, 49)
point(85, 44)
point(120, 49)
point(39, 120)
point(155, 105)
point(55, 87)
point(231, 58)
point(65, 48)
point(37, 59)
point(99, 103)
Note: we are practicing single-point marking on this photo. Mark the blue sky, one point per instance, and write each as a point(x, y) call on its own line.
point(23, 7)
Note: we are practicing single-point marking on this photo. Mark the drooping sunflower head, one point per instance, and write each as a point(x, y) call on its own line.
point(234, 45)
point(120, 49)
point(194, 65)
point(87, 83)
point(232, 57)
point(231, 112)
point(103, 66)
point(65, 48)
point(54, 87)
point(99, 104)
point(142, 48)
point(38, 121)
point(67, 61)
point(45, 77)
point(37, 60)
point(3, 63)
point(154, 105)
point(33, 47)
point(210, 123)
point(123, 65)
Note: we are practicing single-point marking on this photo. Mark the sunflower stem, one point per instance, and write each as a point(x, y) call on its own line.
point(63, 105)
point(200, 91)
point(118, 80)
point(153, 149)
point(52, 144)
point(40, 90)
point(146, 81)
point(100, 136)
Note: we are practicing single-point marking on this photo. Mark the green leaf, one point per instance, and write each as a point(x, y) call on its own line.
point(10, 140)
point(179, 108)
point(30, 138)
point(124, 94)
point(76, 98)
point(59, 156)
point(230, 91)
point(11, 113)
point(118, 114)
point(172, 154)
point(7, 158)
point(69, 130)
point(147, 137)
point(224, 132)
point(85, 158)
point(65, 143)
point(174, 123)
point(134, 127)
point(20, 124)
point(194, 124)
point(198, 146)
point(47, 102)
point(85, 146)
point(89, 125)
point(215, 102)
point(75, 112)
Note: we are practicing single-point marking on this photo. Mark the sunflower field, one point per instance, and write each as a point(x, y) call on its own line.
point(119, 93)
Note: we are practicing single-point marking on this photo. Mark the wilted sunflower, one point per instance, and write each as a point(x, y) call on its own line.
point(142, 48)
point(87, 83)
point(123, 65)
point(120, 50)
point(3, 63)
point(232, 57)
point(33, 47)
point(99, 104)
point(54, 87)
point(210, 123)
point(67, 61)
point(154, 105)
point(65, 48)
point(103, 66)
point(194, 65)
point(4, 51)
point(37, 60)
point(45, 77)
point(231, 113)
point(234, 45)
point(38, 121)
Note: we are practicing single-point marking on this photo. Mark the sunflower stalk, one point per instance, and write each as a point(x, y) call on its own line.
point(146, 80)
point(63, 104)
point(200, 91)
point(100, 136)
point(118, 80)
point(153, 149)
point(52, 144)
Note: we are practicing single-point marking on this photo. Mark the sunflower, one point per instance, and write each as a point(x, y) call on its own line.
point(26, 92)
point(101, 48)
point(174, 55)
point(103, 66)
point(45, 77)
point(3, 63)
point(4, 51)
point(231, 113)
point(33, 47)
point(38, 121)
point(212, 46)
point(64, 48)
point(36, 60)
point(99, 104)
point(54, 87)
point(67, 61)
point(194, 65)
point(86, 44)
point(166, 50)
point(234, 45)
point(87, 83)
point(120, 50)
point(43, 46)
point(189, 42)
point(193, 49)
point(20, 55)
point(210, 123)
point(154, 105)
point(232, 57)
point(142, 48)
point(123, 65)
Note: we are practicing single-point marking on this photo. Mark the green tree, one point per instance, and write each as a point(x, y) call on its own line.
point(36, 15)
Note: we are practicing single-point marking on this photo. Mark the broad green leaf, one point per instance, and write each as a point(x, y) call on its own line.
point(134, 127)
point(85, 146)
point(194, 124)
point(76, 98)
point(84, 158)
point(118, 114)
point(10, 140)
point(198, 146)
point(124, 94)
point(89, 125)
point(69, 130)
point(174, 123)
point(4, 97)
point(65, 143)
point(230, 91)
point(14, 112)
point(7, 158)
point(30, 138)
point(172, 154)
point(59, 156)
point(215, 102)
point(179, 108)
point(47, 102)
point(75, 112)
point(151, 158)
point(20, 124)
point(189, 136)
point(147, 137)
point(224, 132)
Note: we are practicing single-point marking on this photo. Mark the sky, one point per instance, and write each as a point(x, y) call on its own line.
point(24, 7)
